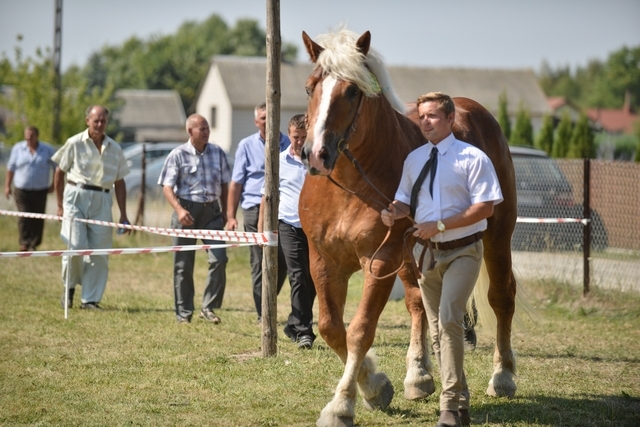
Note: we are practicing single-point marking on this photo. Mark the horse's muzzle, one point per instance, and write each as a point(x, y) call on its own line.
point(320, 163)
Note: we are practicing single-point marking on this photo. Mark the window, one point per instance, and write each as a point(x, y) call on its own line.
point(212, 121)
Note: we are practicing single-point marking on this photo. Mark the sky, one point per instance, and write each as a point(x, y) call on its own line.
point(436, 33)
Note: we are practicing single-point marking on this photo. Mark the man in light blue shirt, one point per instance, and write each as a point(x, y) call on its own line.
point(293, 247)
point(246, 181)
point(30, 169)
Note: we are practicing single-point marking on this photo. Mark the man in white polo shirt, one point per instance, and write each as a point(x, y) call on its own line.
point(93, 164)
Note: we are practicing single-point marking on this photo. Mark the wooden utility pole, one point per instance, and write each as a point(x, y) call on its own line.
point(57, 58)
point(271, 179)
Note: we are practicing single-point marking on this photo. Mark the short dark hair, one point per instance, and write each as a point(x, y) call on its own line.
point(444, 101)
point(34, 130)
point(299, 121)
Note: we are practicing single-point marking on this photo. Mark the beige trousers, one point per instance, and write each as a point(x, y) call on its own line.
point(445, 291)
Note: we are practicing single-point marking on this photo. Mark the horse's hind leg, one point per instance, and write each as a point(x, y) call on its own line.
point(502, 294)
point(418, 384)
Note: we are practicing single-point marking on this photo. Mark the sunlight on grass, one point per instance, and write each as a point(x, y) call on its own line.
point(578, 363)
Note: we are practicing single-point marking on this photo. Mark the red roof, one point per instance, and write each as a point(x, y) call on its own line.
point(616, 121)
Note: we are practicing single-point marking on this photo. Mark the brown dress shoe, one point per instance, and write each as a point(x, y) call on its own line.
point(449, 419)
point(465, 418)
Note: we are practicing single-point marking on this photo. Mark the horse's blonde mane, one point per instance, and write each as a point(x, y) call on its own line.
point(342, 60)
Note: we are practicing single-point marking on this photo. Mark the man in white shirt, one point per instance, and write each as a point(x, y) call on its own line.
point(93, 164)
point(451, 209)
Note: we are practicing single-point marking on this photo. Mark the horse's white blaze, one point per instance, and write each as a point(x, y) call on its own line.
point(323, 112)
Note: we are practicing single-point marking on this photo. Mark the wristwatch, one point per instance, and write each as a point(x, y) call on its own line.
point(441, 226)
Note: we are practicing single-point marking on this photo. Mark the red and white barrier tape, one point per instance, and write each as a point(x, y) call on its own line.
point(551, 220)
point(266, 238)
point(242, 238)
point(119, 251)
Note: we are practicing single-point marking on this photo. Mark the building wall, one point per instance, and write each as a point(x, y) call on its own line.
point(214, 94)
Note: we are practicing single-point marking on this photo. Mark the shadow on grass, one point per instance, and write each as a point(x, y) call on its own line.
point(596, 410)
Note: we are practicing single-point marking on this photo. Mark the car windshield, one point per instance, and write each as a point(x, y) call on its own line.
point(531, 168)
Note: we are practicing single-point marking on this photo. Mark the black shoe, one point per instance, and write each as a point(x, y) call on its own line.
point(70, 303)
point(209, 316)
point(290, 334)
point(470, 339)
point(305, 342)
point(90, 306)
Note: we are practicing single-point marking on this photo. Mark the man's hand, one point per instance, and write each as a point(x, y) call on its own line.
point(388, 216)
point(60, 211)
point(185, 217)
point(125, 220)
point(7, 191)
point(232, 224)
point(426, 230)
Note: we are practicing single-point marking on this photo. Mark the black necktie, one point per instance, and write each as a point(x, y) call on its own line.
point(430, 165)
point(434, 165)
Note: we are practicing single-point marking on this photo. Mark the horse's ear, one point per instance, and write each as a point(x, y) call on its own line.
point(313, 49)
point(363, 43)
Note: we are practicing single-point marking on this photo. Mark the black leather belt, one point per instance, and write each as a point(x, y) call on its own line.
point(458, 243)
point(89, 187)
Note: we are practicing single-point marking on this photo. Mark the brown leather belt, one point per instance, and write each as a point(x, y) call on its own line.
point(89, 187)
point(453, 244)
point(458, 243)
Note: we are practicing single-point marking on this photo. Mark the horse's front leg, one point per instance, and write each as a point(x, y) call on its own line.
point(418, 384)
point(331, 289)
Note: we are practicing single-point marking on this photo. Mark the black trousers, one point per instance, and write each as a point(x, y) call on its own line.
point(30, 229)
point(255, 258)
point(293, 254)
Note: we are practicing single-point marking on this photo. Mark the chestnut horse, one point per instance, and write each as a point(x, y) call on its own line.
point(340, 214)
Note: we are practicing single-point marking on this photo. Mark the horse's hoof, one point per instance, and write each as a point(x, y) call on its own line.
point(419, 390)
point(382, 399)
point(502, 389)
point(334, 421)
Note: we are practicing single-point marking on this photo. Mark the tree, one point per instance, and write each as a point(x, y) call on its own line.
point(522, 131)
point(544, 140)
point(32, 95)
point(581, 145)
point(503, 115)
point(179, 61)
point(599, 84)
point(563, 136)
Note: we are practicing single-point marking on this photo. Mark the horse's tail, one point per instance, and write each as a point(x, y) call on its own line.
point(486, 317)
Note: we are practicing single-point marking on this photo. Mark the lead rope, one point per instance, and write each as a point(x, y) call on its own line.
point(417, 267)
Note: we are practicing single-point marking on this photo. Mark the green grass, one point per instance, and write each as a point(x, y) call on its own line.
point(579, 361)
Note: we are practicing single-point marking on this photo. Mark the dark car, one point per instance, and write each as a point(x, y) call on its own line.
point(153, 151)
point(133, 181)
point(544, 192)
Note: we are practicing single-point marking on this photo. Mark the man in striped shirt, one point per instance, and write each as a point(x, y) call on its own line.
point(195, 180)
point(93, 164)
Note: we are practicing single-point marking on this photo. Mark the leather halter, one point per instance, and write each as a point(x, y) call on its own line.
point(343, 147)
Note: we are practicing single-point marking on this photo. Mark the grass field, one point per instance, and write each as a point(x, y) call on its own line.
point(131, 364)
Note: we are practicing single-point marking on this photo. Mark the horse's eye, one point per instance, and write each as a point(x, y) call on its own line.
point(309, 90)
point(352, 91)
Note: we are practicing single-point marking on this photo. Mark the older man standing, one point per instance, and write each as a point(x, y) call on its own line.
point(195, 179)
point(29, 169)
point(93, 164)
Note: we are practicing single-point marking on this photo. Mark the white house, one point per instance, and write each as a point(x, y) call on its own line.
point(234, 85)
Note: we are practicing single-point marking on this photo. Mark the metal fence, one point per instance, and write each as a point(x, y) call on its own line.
point(556, 250)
